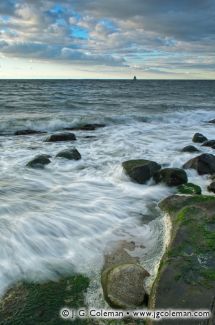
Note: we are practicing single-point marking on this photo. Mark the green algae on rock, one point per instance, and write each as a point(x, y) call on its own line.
point(189, 188)
point(186, 277)
point(40, 303)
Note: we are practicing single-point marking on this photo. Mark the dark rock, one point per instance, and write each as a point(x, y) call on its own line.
point(87, 127)
point(190, 149)
point(28, 132)
point(209, 143)
point(211, 121)
point(123, 285)
point(199, 138)
point(39, 161)
point(140, 170)
point(186, 277)
point(71, 154)
point(189, 188)
point(204, 164)
point(171, 176)
point(211, 187)
point(61, 137)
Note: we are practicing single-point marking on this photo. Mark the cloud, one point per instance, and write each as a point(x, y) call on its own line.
point(147, 34)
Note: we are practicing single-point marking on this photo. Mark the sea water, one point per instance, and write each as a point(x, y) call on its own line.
point(64, 217)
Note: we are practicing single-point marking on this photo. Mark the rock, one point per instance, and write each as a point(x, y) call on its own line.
point(190, 149)
point(87, 127)
point(204, 164)
point(211, 121)
point(61, 137)
point(209, 143)
point(28, 132)
point(171, 176)
point(141, 170)
point(189, 188)
point(71, 154)
point(186, 277)
point(123, 285)
point(39, 161)
point(211, 187)
point(40, 303)
point(199, 138)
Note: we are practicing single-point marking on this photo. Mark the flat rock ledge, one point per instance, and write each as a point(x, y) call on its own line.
point(186, 277)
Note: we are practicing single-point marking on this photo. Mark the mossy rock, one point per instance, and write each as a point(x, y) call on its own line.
point(140, 170)
point(186, 277)
point(40, 304)
point(189, 188)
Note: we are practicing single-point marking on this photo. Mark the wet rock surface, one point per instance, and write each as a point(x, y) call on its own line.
point(204, 164)
point(186, 277)
point(70, 154)
point(171, 176)
point(140, 170)
point(28, 132)
point(199, 138)
point(61, 137)
point(39, 161)
point(190, 149)
point(189, 188)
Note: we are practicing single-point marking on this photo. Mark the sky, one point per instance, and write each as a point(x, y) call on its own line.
point(152, 39)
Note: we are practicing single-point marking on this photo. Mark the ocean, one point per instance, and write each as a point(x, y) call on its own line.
point(63, 218)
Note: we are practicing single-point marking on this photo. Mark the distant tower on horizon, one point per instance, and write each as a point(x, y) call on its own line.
point(135, 78)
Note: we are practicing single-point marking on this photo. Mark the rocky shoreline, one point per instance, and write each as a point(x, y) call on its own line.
point(186, 276)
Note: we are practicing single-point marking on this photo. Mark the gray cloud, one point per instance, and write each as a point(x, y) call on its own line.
point(138, 33)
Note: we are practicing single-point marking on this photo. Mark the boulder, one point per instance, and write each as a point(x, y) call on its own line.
point(71, 154)
point(204, 164)
point(199, 138)
point(189, 188)
point(186, 278)
point(190, 149)
point(211, 121)
point(39, 161)
point(209, 143)
point(28, 132)
point(123, 285)
point(211, 187)
point(171, 176)
point(61, 137)
point(87, 127)
point(140, 170)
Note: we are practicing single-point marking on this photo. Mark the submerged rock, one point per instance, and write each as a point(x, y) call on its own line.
point(186, 277)
point(71, 154)
point(211, 187)
point(190, 149)
point(61, 137)
point(87, 127)
point(140, 170)
point(209, 143)
point(171, 176)
point(204, 164)
point(199, 138)
point(211, 121)
point(40, 303)
point(123, 285)
point(39, 161)
point(28, 132)
point(189, 188)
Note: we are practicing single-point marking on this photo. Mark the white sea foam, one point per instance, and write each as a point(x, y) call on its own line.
point(60, 219)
